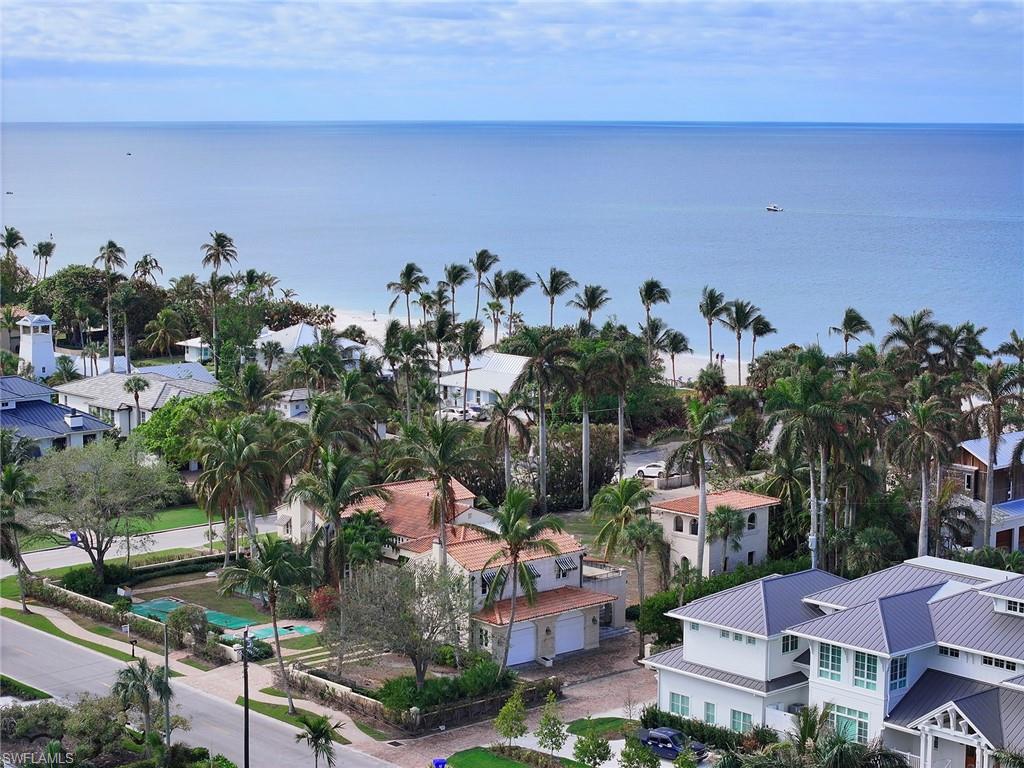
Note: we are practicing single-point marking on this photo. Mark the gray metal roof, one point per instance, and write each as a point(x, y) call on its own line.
point(764, 607)
point(673, 659)
point(1004, 451)
point(899, 578)
point(1013, 589)
point(38, 419)
point(804, 658)
point(107, 390)
point(890, 624)
point(196, 371)
point(14, 387)
point(968, 620)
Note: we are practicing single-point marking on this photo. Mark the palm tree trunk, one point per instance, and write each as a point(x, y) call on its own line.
point(147, 724)
point(990, 485)
point(514, 565)
point(739, 363)
point(922, 531)
point(812, 537)
point(673, 358)
point(511, 305)
point(640, 562)
point(476, 313)
point(622, 434)
point(209, 531)
point(586, 455)
point(408, 313)
point(551, 313)
point(227, 541)
point(213, 326)
point(443, 532)
point(127, 354)
point(702, 513)
point(543, 453)
point(110, 327)
point(20, 565)
point(408, 397)
point(280, 659)
point(711, 349)
point(465, 390)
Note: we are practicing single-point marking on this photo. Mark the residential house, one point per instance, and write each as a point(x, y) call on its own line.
point(678, 517)
point(293, 403)
point(196, 350)
point(303, 335)
point(104, 397)
point(490, 374)
point(926, 655)
point(28, 408)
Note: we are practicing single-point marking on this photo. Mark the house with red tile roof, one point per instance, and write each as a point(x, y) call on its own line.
point(678, 517)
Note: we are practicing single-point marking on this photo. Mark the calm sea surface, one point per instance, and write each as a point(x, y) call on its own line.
point(885, 218)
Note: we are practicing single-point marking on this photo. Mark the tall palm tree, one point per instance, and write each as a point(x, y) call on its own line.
point(515, 284)
point(913, 334)
point(952, 521)
point(164, 331)
point(998, 388)
point(271, 351)
point(112, 258)
point(319, 733)
point(590, 381)
point(509, 424)
point(705, 438)
point(759, 328)
point(454, 276)
point(64, 371)
point(43, 251)
point(652, 292)
point(626, 359)
point(1012, 347)
point(654, 334)
point(726, 524)
point(590, 300)
point(712, 306)
point(495, 309)
point(739, 317)
point(548, 365)
point(639, 538)
point(12, 241)
point(146, 268)
point(135, 386)
point(557, 283)
point(410, 280)
point(440, 450)
point(125, 296)
point(482, 263)
point(273, 568)
point(852, 327)
point(218, 253)
point(136, 684)
point(618, 505)
point(676, 343)
point(17, 493)
point(517, 536)
point(441, 331)
point(470, 338)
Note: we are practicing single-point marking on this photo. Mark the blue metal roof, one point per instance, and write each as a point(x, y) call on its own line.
point(37, 419)
point(15, 387)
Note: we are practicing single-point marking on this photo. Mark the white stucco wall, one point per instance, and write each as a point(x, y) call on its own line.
point(707, 646)
point(822, 692)
point(701, 691)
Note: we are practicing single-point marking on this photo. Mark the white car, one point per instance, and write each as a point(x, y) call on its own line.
point(452, 414)
point(655, 469)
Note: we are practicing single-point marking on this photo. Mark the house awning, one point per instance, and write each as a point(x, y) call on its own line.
point(488, 576)
point(567, 563)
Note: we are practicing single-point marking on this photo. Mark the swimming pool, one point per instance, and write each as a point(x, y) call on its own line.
point(288, 630)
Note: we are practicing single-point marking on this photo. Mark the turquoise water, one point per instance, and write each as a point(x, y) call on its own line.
point(268, 632)
point(887, 218)
point(162, 607)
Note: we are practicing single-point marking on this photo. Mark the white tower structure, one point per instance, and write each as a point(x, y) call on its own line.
point(37, 344)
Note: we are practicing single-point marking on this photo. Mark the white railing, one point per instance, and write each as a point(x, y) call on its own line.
point(913, 760)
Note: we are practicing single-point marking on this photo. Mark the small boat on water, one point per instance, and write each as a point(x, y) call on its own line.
point(773, 208)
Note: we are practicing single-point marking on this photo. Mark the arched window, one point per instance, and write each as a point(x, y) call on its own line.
point(679, 524)
point(751, 521)
point(693, 526)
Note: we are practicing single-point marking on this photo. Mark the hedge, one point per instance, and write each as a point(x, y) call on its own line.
point(711, 735)
point(653, 620)
point(19, 690)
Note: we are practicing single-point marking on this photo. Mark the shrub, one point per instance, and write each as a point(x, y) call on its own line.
point(636, 755)
point(686, 759)
point(258, 649)
point(122, 605)
point(324, 602)
point(591, 750)
point(526, 756)
point(172, 567)
point(296, 606)
point(632, 612)
point(762, 736)
point(478, 680)
point(219, 761)
point(116, 574)
point(31, 722)
point(511, 720)
point(444, 656)
point(712, 735)
point(84, 581)
point(188, 619)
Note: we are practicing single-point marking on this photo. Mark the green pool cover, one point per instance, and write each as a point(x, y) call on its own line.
point(160, 608)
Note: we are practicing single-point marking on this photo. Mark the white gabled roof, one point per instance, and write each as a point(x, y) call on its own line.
point(301, 335)
point(489, 372)
point(1004, 451)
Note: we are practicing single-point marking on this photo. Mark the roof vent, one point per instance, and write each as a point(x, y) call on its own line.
point(74, 419)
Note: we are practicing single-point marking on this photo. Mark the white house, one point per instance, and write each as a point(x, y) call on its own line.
point(36, 344)
point(28, 408)
point(300, 335)
point(678, 517)
point(293, 403)
point(196, 350)
point(927, 655)
point(490, 374)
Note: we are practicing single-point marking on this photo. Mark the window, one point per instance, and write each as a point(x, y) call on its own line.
point(679, 704)
point(752, 521)
point(484, 637)
point(679, 525)
point(694, 626)
point(724, 633)
point(898, 674)
point(741, 722)
point(750, 558)
point(751, 640)
point(737, 637)
point(830, 662)
point(968, 481)
point(693, 527)
point(953, 653)
point(790, 643)
point(1015, 606)
point(865, 671)
point(559, 573)
point(709, 713)
point(852, 723)
point(991, 661)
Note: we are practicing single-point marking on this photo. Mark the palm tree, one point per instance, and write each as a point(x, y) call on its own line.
point(271, 351)
point(17, 493)
point(164, 331)
point(548, 365)
point(626, 359)
point(952, 521)
point(470, 345)
point(509, 423)
point(454, 276)
point(482, 263)
point(998, 388)
point(410, 280)
point(43, 252)
point(8, 321)
point(1013, 347)
point(726, 524)
point(652, 292)
point(914, 334)
point(495, 309)
point(441, 332)
point(12, 241)
point(272, 569)
point(319, 733)
point(712, 306)
point(639, 538)
point(759, 328)
point(92, 352)
point(146, 268)
point(134, 386)
point(705, 438)
point(517, 536)
point(853, 326)
point(112, 258)
point(739, 317)
point(64, 372)
point(590, 381)
point(676, 343)
point(558, 282)
point(590, 300)
point(618, 505)
point(515, 284)
point(654, 334)
point(217, 253)
point(440, 450)
point(136, 684)
point(124, 297)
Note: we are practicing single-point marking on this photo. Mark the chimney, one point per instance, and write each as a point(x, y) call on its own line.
point(73, 419)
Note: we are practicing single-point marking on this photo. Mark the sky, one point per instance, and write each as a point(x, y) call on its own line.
point(894, 61)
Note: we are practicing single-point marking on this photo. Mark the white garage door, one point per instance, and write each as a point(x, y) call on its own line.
point(569, 633)
point(524, 643)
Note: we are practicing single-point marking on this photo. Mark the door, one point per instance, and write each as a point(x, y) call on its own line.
point(524, 643)
point(1004, 540)
point(569, 633)
point(970, 757)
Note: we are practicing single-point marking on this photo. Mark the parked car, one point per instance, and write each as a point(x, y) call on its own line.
point(668, 743)
point(452, 414)
point(654, 469)
point(477, 412)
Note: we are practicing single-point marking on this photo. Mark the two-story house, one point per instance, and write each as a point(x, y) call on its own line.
point(678, 518)
point(28, 408)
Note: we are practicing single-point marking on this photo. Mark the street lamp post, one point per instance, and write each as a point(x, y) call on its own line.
point(167, 688)
point(245, 693)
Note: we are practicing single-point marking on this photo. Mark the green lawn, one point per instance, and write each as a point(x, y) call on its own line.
point(178, 578)
point(280, 712)
point(205, 593)
point(481, 757)
point(11, 687)
point(45, 625)
point(199, 664)
point(104, 631)
point(272, 691)
point(370, 731)
point(606, 727)
point(165, 520)
point(302, 643)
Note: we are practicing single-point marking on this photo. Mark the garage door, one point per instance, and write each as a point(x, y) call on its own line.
point(524, 643)
point(569, 633)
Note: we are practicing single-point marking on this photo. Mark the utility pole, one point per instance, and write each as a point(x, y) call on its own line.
point(245, 692)
point(167, 690)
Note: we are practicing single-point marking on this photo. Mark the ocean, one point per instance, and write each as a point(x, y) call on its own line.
point(886, 218)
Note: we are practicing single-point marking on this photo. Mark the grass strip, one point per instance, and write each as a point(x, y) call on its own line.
point(43, 624)
point(604, 727)
point(280, 712)
point(19, 690)
point(302, 643)
point(372, 732)
point(481, 757)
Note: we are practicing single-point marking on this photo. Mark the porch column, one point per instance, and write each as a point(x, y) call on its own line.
point(926, 749)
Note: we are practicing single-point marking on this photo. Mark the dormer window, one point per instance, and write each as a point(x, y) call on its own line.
point(1015, 606)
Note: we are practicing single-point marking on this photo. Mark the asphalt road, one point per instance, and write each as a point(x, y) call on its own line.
point(637, 458)
point(66, 670)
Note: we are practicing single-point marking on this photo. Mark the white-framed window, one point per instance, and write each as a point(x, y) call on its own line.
point(992, 661)
point(693, 527)
point(737, 637)
point(898, 673)
point(709, 712)
point(560, 574)
point(968, 481)
point(865, 671)
point(694, 626)
point(751, 640)
point(830, 662)
point(850, 722)
point(678, 704)
point(953, 653)
point(483, 637)
point(741, 722)
point(790, 643)
point(724, 634)
point(1015, 606)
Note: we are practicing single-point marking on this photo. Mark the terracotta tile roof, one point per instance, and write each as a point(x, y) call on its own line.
point(687, 505)
point(474, 554)
point(456, 533)
point(407, 510)
point(548, 603)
